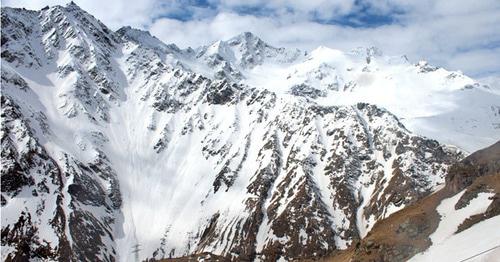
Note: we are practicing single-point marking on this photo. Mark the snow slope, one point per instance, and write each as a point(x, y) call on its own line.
point(448, 246)
point(447, 106)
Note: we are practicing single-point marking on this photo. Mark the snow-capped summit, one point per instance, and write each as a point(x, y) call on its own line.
point(248, 39)
point(234, 57)
point(74, 23)
point(251, 51)
point(145, 39)
point(429, 100)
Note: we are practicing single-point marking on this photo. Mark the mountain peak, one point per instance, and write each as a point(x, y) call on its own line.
point(248, 35)
point(245, 35)
point(72, 6)
point(133, 33)
point(145, 38)
point(248, 39)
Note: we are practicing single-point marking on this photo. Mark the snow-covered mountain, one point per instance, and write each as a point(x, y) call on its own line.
point(430, 101)
point(116, 141)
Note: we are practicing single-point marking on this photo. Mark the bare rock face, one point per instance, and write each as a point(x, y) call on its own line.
point(121, 143)
point(481, 163)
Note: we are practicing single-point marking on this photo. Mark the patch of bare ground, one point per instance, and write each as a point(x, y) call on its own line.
point(483, 184)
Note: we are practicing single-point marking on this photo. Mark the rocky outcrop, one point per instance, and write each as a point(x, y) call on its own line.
point(482, 163)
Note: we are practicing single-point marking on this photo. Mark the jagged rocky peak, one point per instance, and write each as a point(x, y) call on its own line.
point(252, 51)
point(232, 59)
point(33, 38)
point(248, 41)
point(74, 42)
point(73, 22)
point(138, 35)
point(145, 39)
point(424, 67)
point(246, 50)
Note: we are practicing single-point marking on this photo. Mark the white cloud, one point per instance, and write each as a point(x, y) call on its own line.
point(488, 59)
point(460, 34)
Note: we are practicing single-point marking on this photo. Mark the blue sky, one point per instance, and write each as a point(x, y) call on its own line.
point(362, 14)
point(455, 34)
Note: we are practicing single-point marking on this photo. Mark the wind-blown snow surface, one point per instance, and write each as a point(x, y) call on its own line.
point(447, 106)
point(121, 139)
